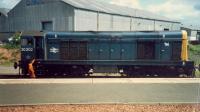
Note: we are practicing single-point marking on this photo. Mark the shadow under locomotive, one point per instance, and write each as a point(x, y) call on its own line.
point(131, 54)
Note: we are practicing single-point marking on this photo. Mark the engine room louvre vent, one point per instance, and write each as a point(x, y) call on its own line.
point(146, 50)
point(73, 50)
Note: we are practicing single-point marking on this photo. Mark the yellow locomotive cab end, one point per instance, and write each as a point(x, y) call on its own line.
point(184, 51)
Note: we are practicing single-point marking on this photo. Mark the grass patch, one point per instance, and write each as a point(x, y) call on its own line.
point(10, 46)
point(194, 53)
point(197, 74)
point(7, 63)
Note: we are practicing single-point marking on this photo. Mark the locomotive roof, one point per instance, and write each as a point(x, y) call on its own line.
point(112, 34)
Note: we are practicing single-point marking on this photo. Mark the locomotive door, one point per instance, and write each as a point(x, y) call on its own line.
point(103, 51)
point(38, 45)
point(115, 51)
point(165, 51)
point(176, 51)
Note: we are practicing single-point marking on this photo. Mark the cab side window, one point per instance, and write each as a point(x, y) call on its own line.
point(30, 41)
point(25, 42)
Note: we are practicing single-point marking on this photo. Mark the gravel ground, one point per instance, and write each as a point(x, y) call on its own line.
point(104, 108)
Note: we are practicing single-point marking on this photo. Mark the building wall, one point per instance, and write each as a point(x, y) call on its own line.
point(4, 36)
point(142, 24)
point(198, 35)
point(176, 26)
point(159, 26)
point(65, 18)
point(105, 22)
point(94, 21)
point(26, 17)
point(121, 23)
point(2, 22)
point(193, 35)
point(85, 21)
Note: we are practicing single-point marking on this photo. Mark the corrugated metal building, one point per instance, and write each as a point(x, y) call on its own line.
point(192, 31)
point(81, 15)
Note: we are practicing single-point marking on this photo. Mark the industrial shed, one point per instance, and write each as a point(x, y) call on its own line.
point(192, 31)
point(81, 15)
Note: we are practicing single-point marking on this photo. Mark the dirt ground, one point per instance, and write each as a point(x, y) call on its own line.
point(104, 108)
point(9, 55)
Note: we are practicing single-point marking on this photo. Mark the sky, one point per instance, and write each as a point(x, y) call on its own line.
point(8, 3)
point(186, 11)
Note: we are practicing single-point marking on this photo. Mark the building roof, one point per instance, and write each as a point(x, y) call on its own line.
point(95, 5)
point(7, 5)
point(4, 11)
point(191, 27)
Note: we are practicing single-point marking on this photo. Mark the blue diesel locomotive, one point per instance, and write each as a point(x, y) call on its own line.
point(84, 53)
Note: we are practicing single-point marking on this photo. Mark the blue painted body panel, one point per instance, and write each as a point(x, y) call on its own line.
point(115, 45)
point(53, 44)
point(109, 46)
point(106, 52)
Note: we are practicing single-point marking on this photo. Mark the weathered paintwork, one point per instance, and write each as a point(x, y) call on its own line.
point(129, 52)
point(115, 45)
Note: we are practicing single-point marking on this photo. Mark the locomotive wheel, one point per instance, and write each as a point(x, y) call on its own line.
point(191, 73)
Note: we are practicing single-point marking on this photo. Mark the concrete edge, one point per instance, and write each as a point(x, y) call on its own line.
point(103, 81)
point(107, 103)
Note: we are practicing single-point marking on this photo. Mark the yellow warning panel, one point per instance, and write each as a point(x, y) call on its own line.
point(184, 52)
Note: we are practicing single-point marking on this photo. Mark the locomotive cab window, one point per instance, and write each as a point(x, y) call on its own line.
point(25, 42)
point(30, 41)
point(146, 50)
